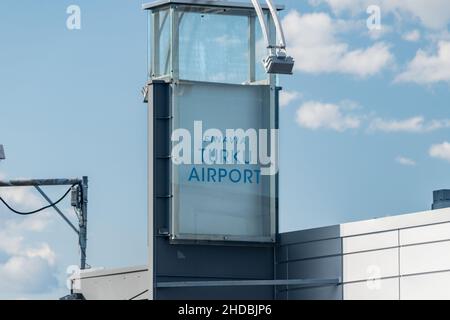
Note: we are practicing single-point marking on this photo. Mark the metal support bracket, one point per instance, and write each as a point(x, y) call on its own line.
point(83, 184)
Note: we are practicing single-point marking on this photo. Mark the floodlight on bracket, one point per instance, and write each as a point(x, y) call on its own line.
point(277, 62)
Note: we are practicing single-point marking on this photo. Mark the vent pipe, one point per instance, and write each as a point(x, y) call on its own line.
point(441, 199)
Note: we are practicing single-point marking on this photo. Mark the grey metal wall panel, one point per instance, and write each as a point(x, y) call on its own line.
point(310, 254)
point(309, 235)
point(313, 249)
point(320, 268)
point(282, 270)
point(227, 293)
point(214, 261)
point(318, 293)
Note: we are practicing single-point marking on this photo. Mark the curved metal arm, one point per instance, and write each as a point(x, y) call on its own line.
point(278, 62)
point(265, 29)
point(262, 21)
point(278, 25)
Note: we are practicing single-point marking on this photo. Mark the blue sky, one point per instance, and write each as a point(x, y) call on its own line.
point(365, 123)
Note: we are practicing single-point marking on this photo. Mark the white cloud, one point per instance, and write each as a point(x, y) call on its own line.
point(25, 267)
point(376, 34)
point(412, 36)
point(23, 274)
point(434, 14)
point(312, 40)
point(316, 115)
point(404, 161)
point(44, 252)
point(438, 36)
point(10, 244)
point(440, 151)
point(21, 197)
point(28, 268)
point(410, 125)
point(341, 117)
point(427, 68)
point(287, 97)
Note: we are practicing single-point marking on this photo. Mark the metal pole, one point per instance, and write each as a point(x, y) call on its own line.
point(39, 182)
point(83, 222)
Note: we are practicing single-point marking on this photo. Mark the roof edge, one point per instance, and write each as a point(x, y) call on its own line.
point(212, 3)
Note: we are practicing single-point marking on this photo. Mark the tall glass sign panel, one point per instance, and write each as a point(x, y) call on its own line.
point(224, 137)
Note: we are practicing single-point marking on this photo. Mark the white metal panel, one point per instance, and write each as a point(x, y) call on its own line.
point(431, 233)
point(370, 242)
point(370, 265)
point(395, 222)
point(118, 284)
point(425, 258)
point(385, 289)
point(432, 286)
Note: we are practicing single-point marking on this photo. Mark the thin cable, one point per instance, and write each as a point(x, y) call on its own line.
point(38, 210)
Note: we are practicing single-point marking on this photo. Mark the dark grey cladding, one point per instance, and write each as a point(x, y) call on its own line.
point(441, 199)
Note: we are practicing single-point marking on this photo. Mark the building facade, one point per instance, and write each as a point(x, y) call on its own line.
point(402, 257)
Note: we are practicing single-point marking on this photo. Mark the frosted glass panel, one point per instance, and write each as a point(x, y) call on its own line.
point(220, 45)
point(210, 44)
point(222, 201)
point(160, 43)
point(213, 47)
